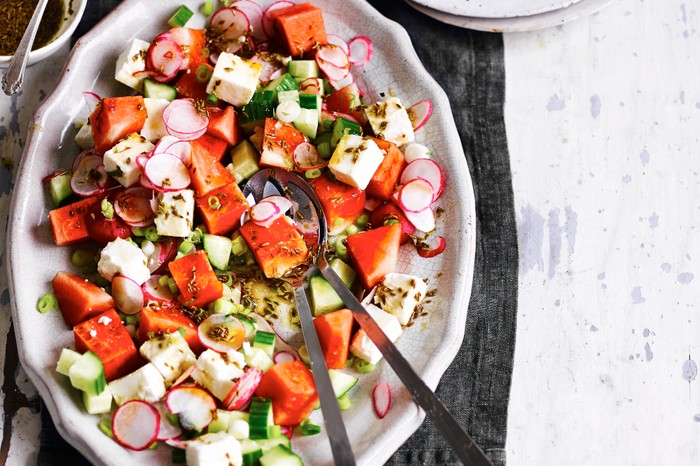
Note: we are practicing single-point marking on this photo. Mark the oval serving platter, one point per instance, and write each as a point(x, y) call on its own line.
point(429, 345)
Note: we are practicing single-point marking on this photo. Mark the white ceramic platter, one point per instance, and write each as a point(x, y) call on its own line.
point(515, 24)
point(496, 8)
point(430, 344)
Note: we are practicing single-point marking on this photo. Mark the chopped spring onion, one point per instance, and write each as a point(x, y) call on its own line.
point(107, 208)
point(137, 231)
point(187, 247)
point(311, 174)
point(180, 18)
point(131, 319)
point(212, 99)
point(105, 426)
point(362, 220)
point(344, 402)
point(151, 233)
point(207, 8)
point(390, 221)
point(47, 303)
point(363, 367)
point(340, 247)
point(214, 202)
point(173, 286)
point(351, 230)
point(309, 428)
point(196, 236)
point(203, 73)
point(163, 280)
point(82, 259)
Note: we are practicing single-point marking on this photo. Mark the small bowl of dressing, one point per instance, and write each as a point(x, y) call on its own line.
point(58, 23)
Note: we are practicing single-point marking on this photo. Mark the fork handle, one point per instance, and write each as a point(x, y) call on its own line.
point(464, 447)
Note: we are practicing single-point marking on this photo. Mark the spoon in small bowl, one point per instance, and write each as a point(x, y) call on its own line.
point(14, 75)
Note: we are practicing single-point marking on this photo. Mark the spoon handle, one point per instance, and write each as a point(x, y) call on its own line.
point(464, 447)
point(14, 76)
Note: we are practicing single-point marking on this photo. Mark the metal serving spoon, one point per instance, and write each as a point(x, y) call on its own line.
point(464, 447)
point(14, 75)
point(268, 182)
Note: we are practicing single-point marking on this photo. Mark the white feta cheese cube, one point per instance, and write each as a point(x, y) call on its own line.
point(175, 213)
point(154, 127)
point(362, 346)
point(122, 257)
point(170, 354)
point(218, 372)
point(217, 449)
point(145, 383)
point(131, 62)
point(120, 160)
point(390, 121)
point(399, 294)
point(84, 137)
point(355, 160)
point(234, 79)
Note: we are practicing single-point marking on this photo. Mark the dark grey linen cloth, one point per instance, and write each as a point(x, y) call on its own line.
point(469, 66)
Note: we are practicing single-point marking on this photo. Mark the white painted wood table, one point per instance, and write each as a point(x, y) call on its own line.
point(603, 122)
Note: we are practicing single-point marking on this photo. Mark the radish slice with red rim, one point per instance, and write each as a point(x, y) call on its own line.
point(381, 399)
point(163, 253)
point(306, 157)
point(90, 177)
point(416, 195)
point(431, 247)
point(269, 69)
point(428, 170)
point(185, 39)
point(53, 175)
point(165, 58)
point(230, 23)
point(127, 294)
point(254, 13)
point(144, 182)
point(194, 406)
point(264, 213)
point(339, 41)
point(361, 50)
point(141, 160)
point(184, 120)
point(91, 100)
point(268, 22)
point(154, 291)
point(423, 221)
point(420, 113)
point(310, 86)
point(338, 84)
point(166, 430)
point(283, 356)
point(177, 443)
point(281, 202)
point(167, 172)
point(135, 424)
point(79, 158)
point(335, 74)
point(333, 55)
point(287, 431)
point(222, 333)
point(184, 376)
point(133, 205)
point(175, 146)
point(242, 391)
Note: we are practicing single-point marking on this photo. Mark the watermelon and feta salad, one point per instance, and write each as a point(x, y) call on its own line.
point(177, 279)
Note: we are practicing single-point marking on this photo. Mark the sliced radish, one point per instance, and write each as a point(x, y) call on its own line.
point(338, 84)
point(229, 23)
point(416, 195)
point(332, 71)
point(339, 41)
point(243, 390)
point(165, 58)
point(361, 50)
point(281, 202)
point(306, 157)
point(166, 172)
point(423, 221)
point(287, 431)
point(270, 67)
point(164, 251)
point(332, 54)
point(127, 294)
point(133, 205)
point(177, 443)
point(90, 177)
point(184, 120)
point(222, 333)
point(175, 146)
point(283, 356)
point(310, 86)
point(91, 100)
point(420, 113)
point(288, 110)
point(267, 21)
point(431, 247)
point(194, 406)
point(427, 169)
point(184, 376)
point(141, 160)
point(185, 38)
point(381, 399)
point(264, 213)
point(79, 158)
point(135, 424)
point(167, 430)
point(53, 175)
point(154, 291)
point(254, 13)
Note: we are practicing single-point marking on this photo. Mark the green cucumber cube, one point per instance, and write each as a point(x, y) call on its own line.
point(303, 68)
point(282, 83)
point(98, 404)
point(155, 90)
point(245, 159)
point(265, 341)
point(59, 188)
point(307, 122)
point(343, 127)
point(280, 456)
point(88, 374)
point(67, 358)
point(218, 250)
point(292, 95)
